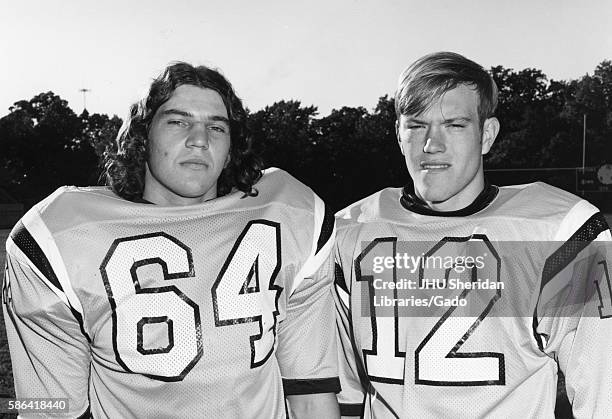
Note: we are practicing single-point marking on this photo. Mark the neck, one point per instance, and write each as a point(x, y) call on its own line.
point(168, 198)
point(458, 201)
point(413, 203)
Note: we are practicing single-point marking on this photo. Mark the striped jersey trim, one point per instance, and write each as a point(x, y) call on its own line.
point(565, 254)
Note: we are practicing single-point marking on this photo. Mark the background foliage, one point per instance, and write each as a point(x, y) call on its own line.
point(343, 156)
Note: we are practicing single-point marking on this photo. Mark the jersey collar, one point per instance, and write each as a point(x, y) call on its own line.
point(412, 202)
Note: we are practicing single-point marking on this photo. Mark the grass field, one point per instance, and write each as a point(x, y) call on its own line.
point(6, 376)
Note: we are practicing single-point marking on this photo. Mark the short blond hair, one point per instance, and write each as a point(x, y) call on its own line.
point(429, 77)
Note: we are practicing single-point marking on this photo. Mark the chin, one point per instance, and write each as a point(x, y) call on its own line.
point(431, 194)
point(435, 199)
point(194, 189)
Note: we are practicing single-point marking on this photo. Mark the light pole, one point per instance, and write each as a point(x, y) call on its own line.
point(84, 91)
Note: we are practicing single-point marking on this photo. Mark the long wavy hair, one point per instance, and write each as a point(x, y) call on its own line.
point(124, 166)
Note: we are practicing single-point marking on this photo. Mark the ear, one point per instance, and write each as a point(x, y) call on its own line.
point(399, 140)
point(490, 129)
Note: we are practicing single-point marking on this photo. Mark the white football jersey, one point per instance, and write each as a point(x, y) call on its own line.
point(469, 314)
point(214, 310)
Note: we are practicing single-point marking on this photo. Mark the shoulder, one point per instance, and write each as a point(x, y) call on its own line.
point(367, 214)
point(544, 198)
point(278, 179)
point(546, 203)
point(543, 191)
point(70, 206)
point(279, 187)
point(279, 190)
point(379, 206)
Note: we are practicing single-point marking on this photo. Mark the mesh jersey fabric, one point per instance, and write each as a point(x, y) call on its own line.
point(137, 310)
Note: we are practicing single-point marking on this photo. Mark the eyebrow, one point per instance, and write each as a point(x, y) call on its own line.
point(446, 121)
point(186, 114)
point(414, 120)
point(177, 112)
point(458, 119)
point(220, 119)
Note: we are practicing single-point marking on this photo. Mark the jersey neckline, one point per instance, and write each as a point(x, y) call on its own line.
point(410, 201)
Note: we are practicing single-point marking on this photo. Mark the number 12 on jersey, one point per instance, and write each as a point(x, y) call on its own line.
point(438, 360)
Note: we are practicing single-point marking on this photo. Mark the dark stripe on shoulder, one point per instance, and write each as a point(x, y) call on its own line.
point(312, 386)
point(351, 409)
point(326, 228)
point(24, 240)
point(574, 245)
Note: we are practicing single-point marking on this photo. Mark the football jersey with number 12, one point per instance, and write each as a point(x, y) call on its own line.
point(470, 314)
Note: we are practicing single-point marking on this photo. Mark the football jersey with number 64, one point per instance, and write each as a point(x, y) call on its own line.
point(137, 310)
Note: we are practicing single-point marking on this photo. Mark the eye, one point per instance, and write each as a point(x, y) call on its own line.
point(415, 126)
point(177, 122)
point(218, 128)
point(457, 126)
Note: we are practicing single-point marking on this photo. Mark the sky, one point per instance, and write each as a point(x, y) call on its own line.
point(326, 53)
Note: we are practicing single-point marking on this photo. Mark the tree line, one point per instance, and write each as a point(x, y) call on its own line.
point(343, 156)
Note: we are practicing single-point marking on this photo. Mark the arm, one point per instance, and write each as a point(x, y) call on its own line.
point(323, 405)
point(306, 340)
point(578, 318)
point(307, 349)
point(584, 354)
point(352, 396)
point(49, 352)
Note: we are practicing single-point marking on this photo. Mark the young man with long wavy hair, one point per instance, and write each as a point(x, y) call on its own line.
point(195, 285)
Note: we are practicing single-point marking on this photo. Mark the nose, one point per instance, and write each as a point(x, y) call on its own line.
point(198, 137)
point(434, 143)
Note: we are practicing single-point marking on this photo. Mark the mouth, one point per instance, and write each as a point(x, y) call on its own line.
point(194, 164)
point(434, 166)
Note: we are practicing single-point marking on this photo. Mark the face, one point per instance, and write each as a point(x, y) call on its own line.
point(188, 145)
point(443, 148)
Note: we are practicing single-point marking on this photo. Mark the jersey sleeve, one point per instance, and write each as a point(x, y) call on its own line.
point(49, 349)
point(352, 396)
point(306, 338)
point(574, 314)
